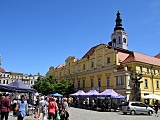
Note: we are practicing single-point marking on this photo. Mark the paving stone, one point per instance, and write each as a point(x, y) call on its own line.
point(83, 114)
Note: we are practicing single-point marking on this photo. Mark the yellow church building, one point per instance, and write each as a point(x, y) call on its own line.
point(112, 66)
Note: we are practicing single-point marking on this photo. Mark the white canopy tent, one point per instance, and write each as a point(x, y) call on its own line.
point(151, 96)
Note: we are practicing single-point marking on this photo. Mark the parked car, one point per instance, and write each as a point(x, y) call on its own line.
point(134, 107)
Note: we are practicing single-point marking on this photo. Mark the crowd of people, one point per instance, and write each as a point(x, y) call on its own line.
point(45, 107)
point(93, 103)
point(52, 108)
point(6, 106)
point(49, 107)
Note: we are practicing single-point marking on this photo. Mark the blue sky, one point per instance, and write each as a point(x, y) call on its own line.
point(37, 34)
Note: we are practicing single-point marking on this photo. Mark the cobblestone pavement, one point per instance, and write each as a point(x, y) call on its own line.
point(26, 118)
point(83, 114)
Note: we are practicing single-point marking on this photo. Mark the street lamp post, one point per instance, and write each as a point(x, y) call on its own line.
point(136, 77)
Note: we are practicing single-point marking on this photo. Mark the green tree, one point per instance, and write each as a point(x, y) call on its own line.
point(50, 85)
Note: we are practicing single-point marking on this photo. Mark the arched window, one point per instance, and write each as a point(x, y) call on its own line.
point(124, 40)
point(114, 40)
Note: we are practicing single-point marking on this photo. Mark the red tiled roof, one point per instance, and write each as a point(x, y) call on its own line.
point(2, 70)
point(134, 56)
point(122, 56)
point(60, 66)
point(158, 56)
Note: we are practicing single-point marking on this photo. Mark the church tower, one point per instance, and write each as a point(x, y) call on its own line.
point(119, 37)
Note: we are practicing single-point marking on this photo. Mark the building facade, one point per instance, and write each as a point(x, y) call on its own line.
point(29, 80)
point(9, 77)
point(110, 65)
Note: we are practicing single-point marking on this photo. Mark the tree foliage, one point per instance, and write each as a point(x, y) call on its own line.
point(50, 85)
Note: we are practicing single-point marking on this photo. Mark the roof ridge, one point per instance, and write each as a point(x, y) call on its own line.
point(92, 50)
point(139, 57)
point(147, 55)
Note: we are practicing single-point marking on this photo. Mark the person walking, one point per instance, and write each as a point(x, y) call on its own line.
point(37, 104)
point(1, 97)
point(45, 109)
point(156, 107)
point(52, 108)
point(41, 103)
point(65, 110)
point(69, 101)
point(22, 106)
point(5, 104)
